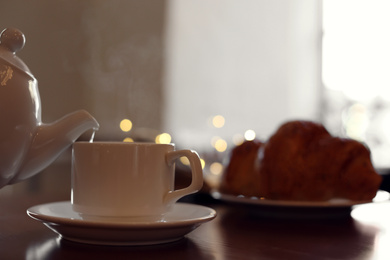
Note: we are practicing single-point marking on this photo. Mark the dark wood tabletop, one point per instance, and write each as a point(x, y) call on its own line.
point(238, 231)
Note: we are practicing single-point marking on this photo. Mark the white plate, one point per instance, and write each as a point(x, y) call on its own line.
point(380, 196)
point(60, 217)
point(299, 209)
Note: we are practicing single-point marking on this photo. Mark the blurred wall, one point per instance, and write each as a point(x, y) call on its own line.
point(256, 62)
point(103, 56)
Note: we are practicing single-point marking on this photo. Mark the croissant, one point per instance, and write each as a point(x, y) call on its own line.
point(302, 161)
point(241, 176)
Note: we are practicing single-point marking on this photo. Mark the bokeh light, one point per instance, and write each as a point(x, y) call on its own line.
point(238, 139)
point(220, 145)
point(218, 121)
point(250, 135)
point(356, 121)
point(202, 162)
point(184, 160)
point(163, 138)
point(126, 125)
point(128, 140)
point(216, 168)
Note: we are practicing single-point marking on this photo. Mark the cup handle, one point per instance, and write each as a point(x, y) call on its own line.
point(196, 171)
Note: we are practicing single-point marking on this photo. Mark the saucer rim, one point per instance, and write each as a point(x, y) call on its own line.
point(120, 234)
point(34, 213)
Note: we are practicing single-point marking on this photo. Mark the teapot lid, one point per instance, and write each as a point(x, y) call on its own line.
point(11, 41)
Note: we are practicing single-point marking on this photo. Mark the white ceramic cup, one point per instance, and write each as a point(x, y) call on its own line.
point(131, 180)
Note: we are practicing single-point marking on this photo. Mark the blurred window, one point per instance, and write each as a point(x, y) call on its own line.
point(356, 73)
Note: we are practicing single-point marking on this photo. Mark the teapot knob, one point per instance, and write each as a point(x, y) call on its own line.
point(12, 39)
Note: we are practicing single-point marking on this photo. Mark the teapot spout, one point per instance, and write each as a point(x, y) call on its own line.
point(52, 139)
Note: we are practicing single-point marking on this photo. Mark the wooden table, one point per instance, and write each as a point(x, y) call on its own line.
point(237, 232)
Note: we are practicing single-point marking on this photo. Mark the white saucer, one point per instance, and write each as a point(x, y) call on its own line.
point(60, 217)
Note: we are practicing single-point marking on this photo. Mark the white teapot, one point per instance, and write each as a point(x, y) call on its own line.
point(27, 145)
